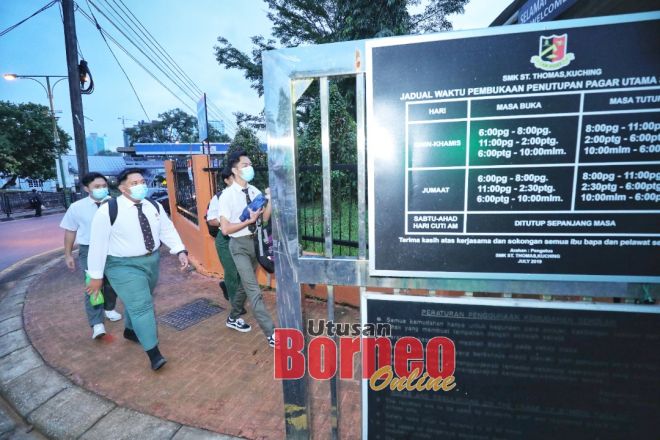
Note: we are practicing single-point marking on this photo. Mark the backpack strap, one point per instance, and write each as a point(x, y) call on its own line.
point(153, 202)
point(113, 208)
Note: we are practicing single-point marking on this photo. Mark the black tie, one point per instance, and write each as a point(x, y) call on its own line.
point(146, 229)
point(251, 227)
point(98, 204)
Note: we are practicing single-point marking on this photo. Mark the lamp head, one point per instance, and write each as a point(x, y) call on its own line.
point(10, 76)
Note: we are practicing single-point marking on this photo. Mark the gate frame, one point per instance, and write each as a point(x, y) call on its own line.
point(287, 74)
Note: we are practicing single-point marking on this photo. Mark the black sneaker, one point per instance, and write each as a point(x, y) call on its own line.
point(223, 286)
point(238, 324)
point(271, 340)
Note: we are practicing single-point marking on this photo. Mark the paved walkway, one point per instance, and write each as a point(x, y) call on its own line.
point(217, 380)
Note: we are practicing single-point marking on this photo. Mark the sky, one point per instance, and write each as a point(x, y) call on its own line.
point(187, 30)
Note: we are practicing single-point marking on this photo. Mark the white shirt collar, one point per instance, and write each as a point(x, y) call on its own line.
point(126, 201)
point(239, 188)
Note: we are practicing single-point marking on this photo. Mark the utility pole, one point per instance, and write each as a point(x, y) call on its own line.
point(70, 43)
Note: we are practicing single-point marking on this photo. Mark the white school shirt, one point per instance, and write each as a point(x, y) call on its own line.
point(232, 203)
point(124, 238)
point(78, 219)
point(214, 208)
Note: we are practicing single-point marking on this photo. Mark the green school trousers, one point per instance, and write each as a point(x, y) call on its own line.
point(134, 280)
point(231, 273)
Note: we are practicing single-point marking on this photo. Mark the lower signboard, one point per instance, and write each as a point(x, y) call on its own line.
point(524, 369)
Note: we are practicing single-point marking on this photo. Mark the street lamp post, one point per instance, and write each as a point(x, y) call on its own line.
point(49, 92)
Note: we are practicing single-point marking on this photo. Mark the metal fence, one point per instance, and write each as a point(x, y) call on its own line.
point(344, 209)
point(186, 199)
point(14, 202)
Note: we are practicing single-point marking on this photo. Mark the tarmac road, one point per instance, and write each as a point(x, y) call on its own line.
point(26, 237)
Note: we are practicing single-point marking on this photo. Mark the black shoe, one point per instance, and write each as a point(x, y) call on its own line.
point(223, 286)
point(157, 360)
point(130, 335)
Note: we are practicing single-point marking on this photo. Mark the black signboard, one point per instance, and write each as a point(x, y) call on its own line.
point(531, 152)
point(524, 370)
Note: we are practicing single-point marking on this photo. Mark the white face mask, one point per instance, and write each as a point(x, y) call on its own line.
point(100, 193)
point(139, 192)
point(247, 173)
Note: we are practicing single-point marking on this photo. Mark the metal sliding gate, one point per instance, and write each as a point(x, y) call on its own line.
point(288, 73)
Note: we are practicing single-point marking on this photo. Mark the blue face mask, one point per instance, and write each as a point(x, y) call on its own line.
point(139, 192)
point(100, 193)
point(247, 174)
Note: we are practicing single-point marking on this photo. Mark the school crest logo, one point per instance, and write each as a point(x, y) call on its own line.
point(553, 53)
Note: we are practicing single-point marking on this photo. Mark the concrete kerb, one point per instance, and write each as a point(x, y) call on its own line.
point(58, 408)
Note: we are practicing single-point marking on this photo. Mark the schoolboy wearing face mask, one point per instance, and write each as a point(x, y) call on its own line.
point(76, 224)
point(124, 246)
point(231, 205)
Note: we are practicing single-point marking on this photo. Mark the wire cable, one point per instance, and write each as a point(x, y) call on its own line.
point(128, 27)
point(185, 88)
point(161, 54)
point(228, 121)
point(119, 64)
point(142, 51)
point(131, 56)
point(37, 12)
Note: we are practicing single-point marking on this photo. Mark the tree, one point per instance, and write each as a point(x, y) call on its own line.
point(172, 126)
point(343, 149)
point(26, 141)
point(108, 153)
point(246, 140)
point(297, 22)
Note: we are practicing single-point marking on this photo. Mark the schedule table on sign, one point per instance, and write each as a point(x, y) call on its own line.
point(535, 164)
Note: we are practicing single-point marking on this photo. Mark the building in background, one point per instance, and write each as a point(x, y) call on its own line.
point(95, 144)
point(218, 125)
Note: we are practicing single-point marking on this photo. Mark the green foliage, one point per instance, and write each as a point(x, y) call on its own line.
point(343, 149)
point(26, 141)
point(297, 22)
point(344, 226)
point(172, 126)
point(246, 139)
point(216, 136)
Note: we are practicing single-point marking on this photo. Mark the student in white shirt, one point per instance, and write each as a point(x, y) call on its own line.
point(76, 224)
point(233, 201)
point(127, 252)
point(231, 279)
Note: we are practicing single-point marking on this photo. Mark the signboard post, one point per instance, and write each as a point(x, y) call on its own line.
point(528, 154)
point(202, 120)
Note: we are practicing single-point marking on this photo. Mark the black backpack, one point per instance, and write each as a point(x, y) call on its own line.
point(113, 208)
point(263, 246)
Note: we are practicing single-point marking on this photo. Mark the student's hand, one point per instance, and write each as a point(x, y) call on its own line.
point(70, 262)
point(254, 215)
point(183, 259)
point(94, 286)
